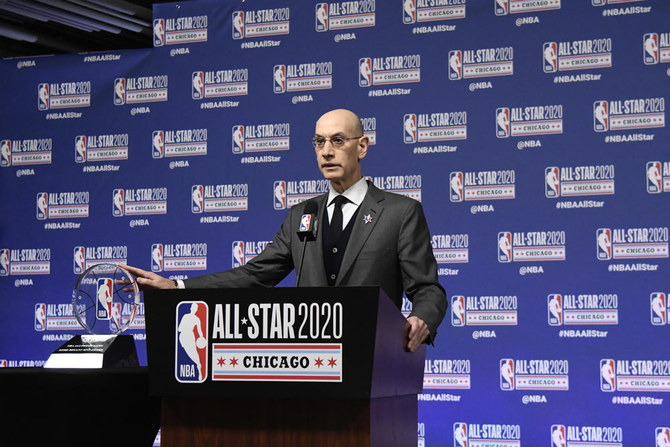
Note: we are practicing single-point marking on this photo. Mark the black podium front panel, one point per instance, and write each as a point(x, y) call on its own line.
point(281, 342)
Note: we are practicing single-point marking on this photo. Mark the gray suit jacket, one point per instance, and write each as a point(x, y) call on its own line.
point(391, 250)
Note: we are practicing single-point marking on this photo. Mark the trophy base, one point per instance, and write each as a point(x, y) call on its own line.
point(95, 351)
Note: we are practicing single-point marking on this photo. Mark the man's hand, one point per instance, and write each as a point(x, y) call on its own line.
point(147, 280)
point(416, 332)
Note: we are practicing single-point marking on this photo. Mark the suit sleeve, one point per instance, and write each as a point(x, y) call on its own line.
point(419, 270)
point(265, 270)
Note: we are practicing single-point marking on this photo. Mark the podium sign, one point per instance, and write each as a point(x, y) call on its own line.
point(280, 342)
point(282, 366)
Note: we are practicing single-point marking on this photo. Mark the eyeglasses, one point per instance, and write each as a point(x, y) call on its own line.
point(336, 141)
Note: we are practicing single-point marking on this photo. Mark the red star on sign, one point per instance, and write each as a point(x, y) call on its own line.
point(233, 362)
point(332, 362)
point(221, 361)
point(318, 362)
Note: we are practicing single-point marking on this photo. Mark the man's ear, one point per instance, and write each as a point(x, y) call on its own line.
point(363, 144)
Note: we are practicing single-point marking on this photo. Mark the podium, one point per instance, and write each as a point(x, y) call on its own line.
point(282, 367)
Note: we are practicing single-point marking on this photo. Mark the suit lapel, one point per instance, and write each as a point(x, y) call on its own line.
point(368, 215)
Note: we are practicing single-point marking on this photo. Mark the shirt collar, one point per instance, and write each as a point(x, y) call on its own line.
point(355, 193)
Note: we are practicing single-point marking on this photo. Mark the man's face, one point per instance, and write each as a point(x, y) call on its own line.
point(340, 165)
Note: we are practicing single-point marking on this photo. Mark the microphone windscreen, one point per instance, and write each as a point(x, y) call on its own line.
point(311, 207)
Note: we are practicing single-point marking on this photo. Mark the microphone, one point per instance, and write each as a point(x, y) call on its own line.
point(309, 224)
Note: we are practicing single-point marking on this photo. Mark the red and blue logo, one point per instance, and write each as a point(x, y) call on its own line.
point(659, 308)
point(279, 197)
point(558, 438)
point(105, 294)
point(192, 342)
point(40, 317)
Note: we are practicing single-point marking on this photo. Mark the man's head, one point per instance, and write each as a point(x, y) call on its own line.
point(341, 164)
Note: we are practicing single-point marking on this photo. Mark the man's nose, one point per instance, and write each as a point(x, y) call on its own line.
point(327, 149)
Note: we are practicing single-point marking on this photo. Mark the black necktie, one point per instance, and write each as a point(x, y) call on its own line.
point(336, 221)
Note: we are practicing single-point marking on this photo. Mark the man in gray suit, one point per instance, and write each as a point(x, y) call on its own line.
point(366, 237)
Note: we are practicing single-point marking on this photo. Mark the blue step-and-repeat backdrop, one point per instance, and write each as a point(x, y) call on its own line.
point(533, 131)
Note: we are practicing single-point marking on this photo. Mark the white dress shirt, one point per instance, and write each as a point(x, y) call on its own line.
point(355, 194)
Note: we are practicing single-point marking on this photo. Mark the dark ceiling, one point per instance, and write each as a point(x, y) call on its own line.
point(37, 27)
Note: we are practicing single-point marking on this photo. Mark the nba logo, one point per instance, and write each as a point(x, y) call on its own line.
point(650, 44)
point(654, 177)
point(42, 207)
point(321, 17)
point(501, 7)
point(662, 436)
point(118, 203)
point(4, 363)
point(604, 245)
point(502, 122)
point(197, 199)
point(5, 153)
point(409, 128)
point(238, 139)
point(456, 186)
point(455, 65)
point(600, 116)
point(279, 195)
point(551, 182)
point(305, 222)
point(157, 144)
point(238, 253)
point(40, 317)
point(279, 78)
point(79, 263)
point(159, 32)
point(598, 2)
point(157, 258)
point(504, 246)
point(460, 434)
point(238, 25)
point(191, 346)
point(557, 436)
point(555, 310)
point(119, 91)
point(104, 302)
point(458, 311)
point(43, 97)
point(607, 375)
point(4, 262)
point(409, 11)
point(197, 85)
point(365, 72)
point(549, 57)
point(80, 148)
point(506, 374)
point(115, 322)
point(659, 309)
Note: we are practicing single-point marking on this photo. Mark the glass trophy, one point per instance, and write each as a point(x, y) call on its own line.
point(105, 301)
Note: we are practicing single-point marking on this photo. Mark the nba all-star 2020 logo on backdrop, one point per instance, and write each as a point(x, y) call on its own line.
point(486, 310)
point(180, 30)
point(250, 138)
point(106, 147)
point(27, 152)
point(178, 143)
point(219, 198)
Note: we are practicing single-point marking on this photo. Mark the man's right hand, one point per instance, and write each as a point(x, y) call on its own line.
point(149, 280)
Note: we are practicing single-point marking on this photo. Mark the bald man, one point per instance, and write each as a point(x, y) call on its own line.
point(375, 238)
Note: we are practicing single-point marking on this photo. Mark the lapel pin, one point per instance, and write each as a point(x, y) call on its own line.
point(367, 219)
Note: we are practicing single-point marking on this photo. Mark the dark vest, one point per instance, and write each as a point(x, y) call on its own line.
point(333, 250)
